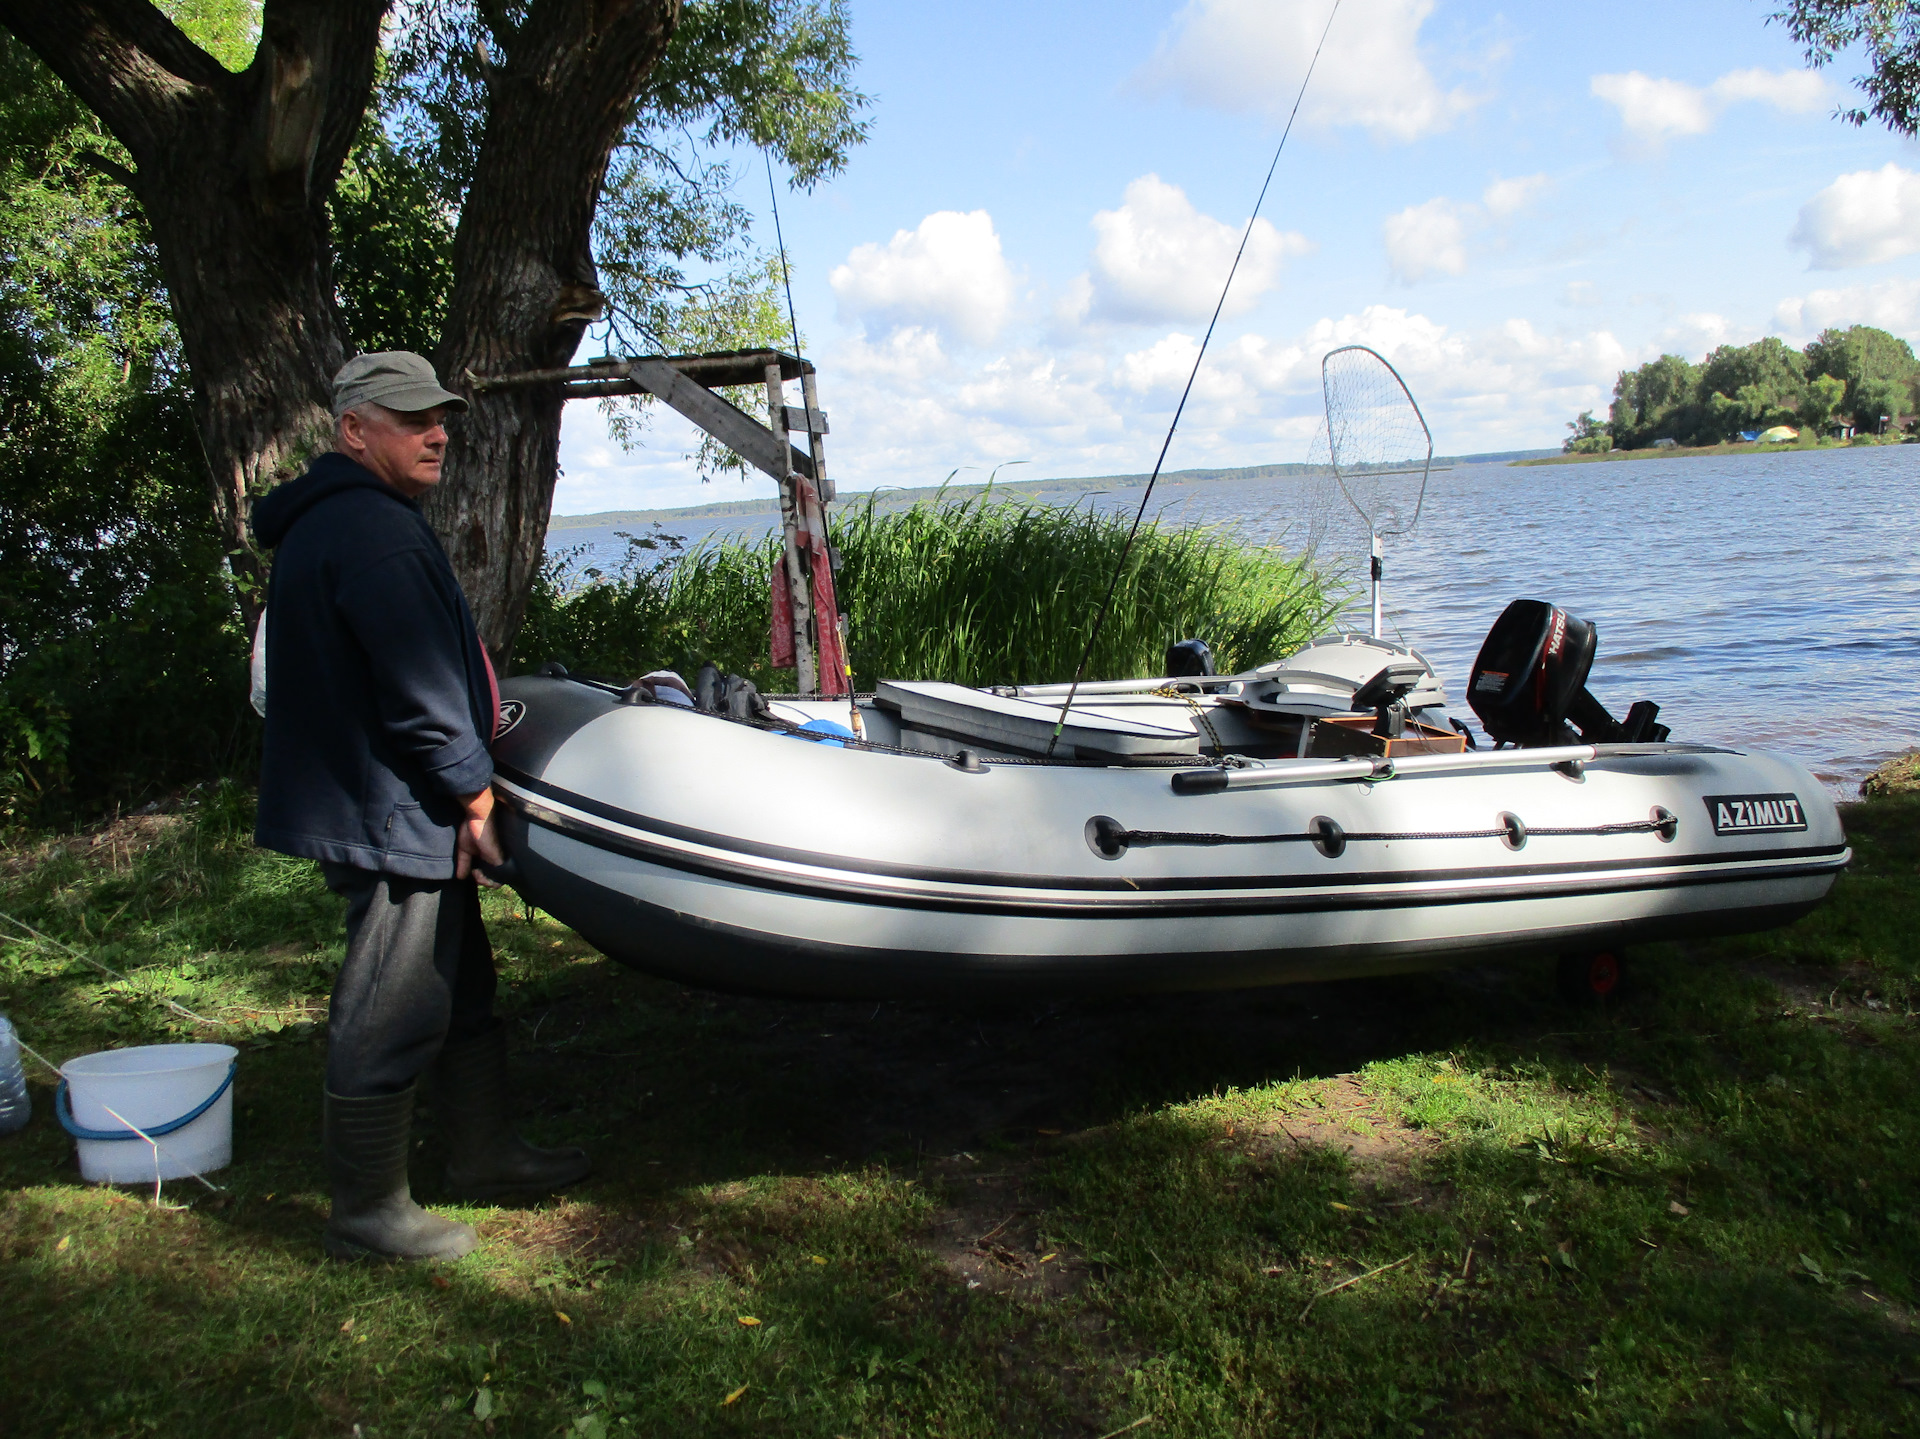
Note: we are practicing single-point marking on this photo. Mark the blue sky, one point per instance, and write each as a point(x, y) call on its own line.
point(1512, 204)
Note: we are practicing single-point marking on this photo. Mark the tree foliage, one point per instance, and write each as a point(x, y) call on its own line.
point(121, 664)
point(673, 242)
point(1589, 436)
point(122, 655)
point(1888, 31)
point(1860, 372)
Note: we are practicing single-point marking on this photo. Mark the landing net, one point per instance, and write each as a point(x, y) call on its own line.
point(1379, 447)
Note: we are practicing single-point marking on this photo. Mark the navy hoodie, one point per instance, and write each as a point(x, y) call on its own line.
point(377, 689)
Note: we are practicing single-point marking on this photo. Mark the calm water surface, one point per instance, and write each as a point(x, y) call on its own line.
point(1765, 600)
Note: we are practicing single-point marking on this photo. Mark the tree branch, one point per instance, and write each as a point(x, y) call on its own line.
point(112, 169)
point(314, 72)
point(128, 63)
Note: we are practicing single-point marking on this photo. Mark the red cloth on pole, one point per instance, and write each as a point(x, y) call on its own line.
point(828, 649)
point(780, 650)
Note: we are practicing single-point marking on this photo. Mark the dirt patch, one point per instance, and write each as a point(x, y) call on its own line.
point(114, 845)
point(1345, 1119)
point(988, 1234)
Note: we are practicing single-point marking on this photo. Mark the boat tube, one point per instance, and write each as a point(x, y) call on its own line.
point(1187, 832)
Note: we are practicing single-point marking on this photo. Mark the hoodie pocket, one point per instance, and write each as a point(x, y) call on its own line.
point(411, 831)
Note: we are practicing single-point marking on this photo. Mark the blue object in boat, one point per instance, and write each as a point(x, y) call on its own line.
point(826, 727)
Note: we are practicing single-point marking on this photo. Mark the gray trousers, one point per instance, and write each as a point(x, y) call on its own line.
point(418, 973)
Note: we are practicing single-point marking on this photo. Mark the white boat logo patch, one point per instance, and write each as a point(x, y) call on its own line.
point(510, 712)
point(1756, 813)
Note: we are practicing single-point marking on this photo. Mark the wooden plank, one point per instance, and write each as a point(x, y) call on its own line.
point(817, 450)
point(723, 367)
point(807, 421)
point(726, 422)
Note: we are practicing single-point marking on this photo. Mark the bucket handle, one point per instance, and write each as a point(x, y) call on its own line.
point(63, 1111)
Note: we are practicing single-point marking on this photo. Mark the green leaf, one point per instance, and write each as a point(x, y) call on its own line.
point(483, 1404)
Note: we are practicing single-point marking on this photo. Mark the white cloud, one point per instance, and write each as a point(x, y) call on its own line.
point(912, 414)
point(1506, 198)
point(1890, 304)
point(1248, 57)
point(1157, 258)
point(1861, 219)
point(1699, 332)
point(1429, 239)
point(1656, 110)
point(948, 272)
point(1798, 92)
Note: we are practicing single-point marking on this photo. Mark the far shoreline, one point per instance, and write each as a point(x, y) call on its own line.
point(1651, 452)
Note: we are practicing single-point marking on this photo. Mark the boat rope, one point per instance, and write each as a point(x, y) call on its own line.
point(1174, 692)
point(1112, 839)
point(1120, 564)
point(826, 525)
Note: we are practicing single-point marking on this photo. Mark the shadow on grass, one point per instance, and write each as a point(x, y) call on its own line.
point(1688, 1213)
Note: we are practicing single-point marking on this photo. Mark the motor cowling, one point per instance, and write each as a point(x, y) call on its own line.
point(1529, 682)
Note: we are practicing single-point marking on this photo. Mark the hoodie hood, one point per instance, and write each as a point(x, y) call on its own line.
point(274, 513)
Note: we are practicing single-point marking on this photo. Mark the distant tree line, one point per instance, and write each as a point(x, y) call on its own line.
point(1852, 376)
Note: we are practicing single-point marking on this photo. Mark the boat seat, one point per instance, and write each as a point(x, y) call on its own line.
point(1024, 726)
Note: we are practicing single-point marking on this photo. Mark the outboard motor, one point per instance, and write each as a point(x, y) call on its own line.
point(1189, 658)
point(1529, 683)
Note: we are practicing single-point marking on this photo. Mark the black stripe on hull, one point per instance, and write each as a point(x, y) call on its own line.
point(1550, 881)
point(714, 954)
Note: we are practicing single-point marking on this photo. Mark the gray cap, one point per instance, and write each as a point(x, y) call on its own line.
point(397, 379)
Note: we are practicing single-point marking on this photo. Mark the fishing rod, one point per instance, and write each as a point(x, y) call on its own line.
point(826, 534)
point(1140, 515)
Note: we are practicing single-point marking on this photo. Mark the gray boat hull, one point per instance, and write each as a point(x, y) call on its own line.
point(724, 855)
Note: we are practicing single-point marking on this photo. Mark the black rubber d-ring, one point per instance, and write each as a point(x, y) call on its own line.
point(1106, 836)
point(1516, 830)
point(1328, 837)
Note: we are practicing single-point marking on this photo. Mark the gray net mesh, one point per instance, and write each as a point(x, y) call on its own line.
point(1377, 440)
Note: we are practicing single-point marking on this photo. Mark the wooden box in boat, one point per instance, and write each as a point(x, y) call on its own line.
point(1341, 735)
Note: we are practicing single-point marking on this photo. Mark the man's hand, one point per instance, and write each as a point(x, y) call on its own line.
point(477, 841)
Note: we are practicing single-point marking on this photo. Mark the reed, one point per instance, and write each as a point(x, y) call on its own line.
point(977, 591)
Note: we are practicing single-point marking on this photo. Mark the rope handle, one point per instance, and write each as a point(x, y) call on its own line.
point(63, 1111)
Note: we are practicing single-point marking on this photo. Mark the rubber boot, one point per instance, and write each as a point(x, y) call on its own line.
point(485, 1158)
point(374, 1215)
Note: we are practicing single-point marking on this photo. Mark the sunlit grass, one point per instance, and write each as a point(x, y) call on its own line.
point(1692, 1212)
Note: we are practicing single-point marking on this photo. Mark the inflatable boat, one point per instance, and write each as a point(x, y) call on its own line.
point(1323, 816)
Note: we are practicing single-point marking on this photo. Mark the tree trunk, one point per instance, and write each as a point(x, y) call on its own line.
point(525, 284)
point(233, 172)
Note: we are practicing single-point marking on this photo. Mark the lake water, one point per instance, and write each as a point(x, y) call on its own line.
point(1764, 600)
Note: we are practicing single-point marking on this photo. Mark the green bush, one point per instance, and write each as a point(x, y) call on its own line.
point(981, 591)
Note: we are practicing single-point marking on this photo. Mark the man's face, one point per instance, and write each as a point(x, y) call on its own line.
point(402, 447)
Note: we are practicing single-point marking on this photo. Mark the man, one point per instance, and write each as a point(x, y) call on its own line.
point(381, 706)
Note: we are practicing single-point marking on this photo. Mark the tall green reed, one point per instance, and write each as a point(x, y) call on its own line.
point(978, 591)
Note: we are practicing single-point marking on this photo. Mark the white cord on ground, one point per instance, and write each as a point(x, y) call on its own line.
point(179, 1009)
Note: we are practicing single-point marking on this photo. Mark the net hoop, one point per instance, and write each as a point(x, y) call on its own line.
point(1344, 448)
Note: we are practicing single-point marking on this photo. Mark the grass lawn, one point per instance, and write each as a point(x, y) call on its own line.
point(1433, 1205)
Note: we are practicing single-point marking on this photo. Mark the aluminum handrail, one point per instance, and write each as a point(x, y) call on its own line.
point(1273, 774)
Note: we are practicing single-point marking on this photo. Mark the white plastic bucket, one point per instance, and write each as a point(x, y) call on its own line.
point(106, 1096)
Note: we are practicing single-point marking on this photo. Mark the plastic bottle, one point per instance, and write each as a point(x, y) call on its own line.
point(16, 1108)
